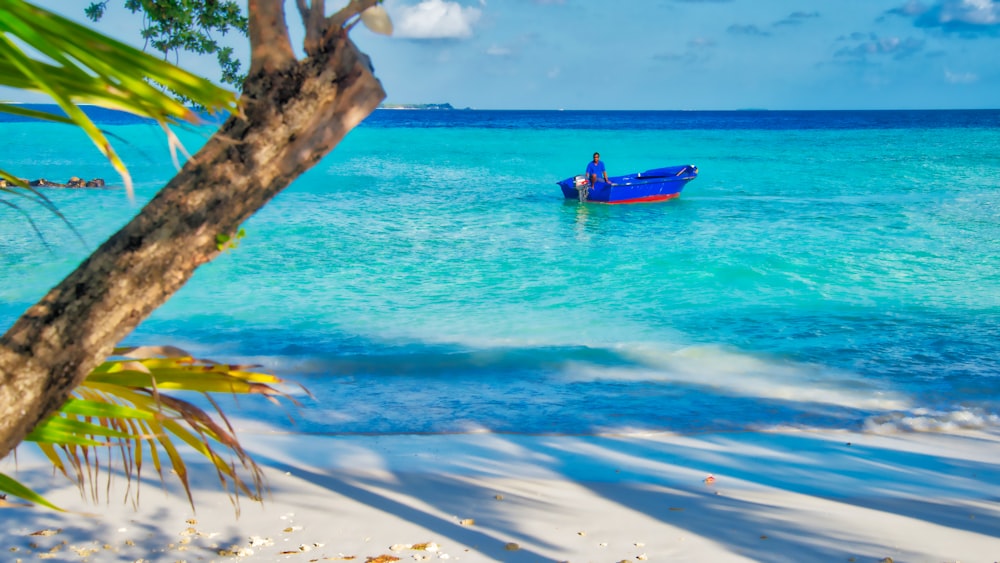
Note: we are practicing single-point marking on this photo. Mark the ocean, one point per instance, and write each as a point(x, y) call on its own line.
point(828, 270)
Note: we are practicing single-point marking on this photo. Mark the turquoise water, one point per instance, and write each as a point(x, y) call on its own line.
point(826, 269)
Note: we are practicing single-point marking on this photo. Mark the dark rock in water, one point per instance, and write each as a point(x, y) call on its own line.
point(74, 182)
point(42, 182)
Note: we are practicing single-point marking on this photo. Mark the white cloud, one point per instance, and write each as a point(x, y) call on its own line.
point(957, 15)
point(960, 77)
point(973, 12)
point(434, 19)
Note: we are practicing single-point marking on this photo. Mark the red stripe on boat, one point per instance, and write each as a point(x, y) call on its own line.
point(646, 199)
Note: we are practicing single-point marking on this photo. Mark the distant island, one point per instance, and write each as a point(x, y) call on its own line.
point(416, 106)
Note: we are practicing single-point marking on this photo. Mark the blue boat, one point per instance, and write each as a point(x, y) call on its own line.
point(658, 184)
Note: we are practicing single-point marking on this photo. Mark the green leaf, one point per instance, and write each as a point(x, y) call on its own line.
point(57, 430)
point(13, 487)
point(104, 410)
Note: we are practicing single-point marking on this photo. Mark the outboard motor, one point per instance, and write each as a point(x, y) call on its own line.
point(582, 187)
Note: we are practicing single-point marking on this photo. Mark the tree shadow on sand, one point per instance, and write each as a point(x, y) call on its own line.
point(823, 483)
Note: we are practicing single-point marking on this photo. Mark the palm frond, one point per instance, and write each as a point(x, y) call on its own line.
point(127, 408)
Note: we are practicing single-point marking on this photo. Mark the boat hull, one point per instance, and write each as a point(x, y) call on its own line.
point(658, 184)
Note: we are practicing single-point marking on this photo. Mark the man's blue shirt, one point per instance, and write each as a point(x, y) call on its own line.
point(597, 169)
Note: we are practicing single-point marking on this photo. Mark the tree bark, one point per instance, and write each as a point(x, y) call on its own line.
point(294, 114)
point(270, 48)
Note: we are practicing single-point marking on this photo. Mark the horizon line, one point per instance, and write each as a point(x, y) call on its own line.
point(469, 108)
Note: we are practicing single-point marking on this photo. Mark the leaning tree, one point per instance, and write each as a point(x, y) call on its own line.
point(291, 113)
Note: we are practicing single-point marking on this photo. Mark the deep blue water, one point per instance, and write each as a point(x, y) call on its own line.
point(700, 120)
point(630, 120)
point(827, 269)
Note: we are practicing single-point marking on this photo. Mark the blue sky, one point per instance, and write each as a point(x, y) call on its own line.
point(674, 54)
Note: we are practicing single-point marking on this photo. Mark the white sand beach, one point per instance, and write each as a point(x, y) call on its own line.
point(790, 496)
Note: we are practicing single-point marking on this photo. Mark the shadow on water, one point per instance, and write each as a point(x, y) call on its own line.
point(359, 385)
point(364, 385)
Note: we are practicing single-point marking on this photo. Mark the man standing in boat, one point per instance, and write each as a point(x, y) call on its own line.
point(596, 171)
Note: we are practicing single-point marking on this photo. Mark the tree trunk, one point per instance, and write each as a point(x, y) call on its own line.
point(293, 116)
